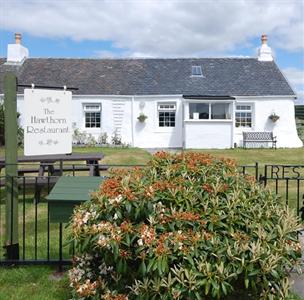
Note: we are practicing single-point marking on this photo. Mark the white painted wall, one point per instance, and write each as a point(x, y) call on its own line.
point(108, 124)
point(284, 129)
point(149, 134)
point(208, 134)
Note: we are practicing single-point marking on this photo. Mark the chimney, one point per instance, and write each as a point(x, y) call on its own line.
point(18, 38)
point(264, 53)
point(16, 53)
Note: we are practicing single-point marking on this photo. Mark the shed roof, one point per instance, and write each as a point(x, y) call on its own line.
point(221, 76)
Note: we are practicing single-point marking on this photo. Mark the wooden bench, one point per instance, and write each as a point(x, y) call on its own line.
point(259, 137)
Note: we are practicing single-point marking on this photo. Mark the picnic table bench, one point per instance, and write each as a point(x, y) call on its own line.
point(259, 137)
point(46, 162)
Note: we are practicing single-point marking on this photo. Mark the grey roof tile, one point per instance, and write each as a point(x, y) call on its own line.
point(222, 76)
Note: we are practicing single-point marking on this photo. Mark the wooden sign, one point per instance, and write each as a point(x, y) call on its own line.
point(47, 122)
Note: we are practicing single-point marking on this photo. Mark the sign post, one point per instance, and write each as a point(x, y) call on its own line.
point(11, 173)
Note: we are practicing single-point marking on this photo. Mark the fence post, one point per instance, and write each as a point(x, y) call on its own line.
point(11, 173)
point(265, 175)
point(256, 171)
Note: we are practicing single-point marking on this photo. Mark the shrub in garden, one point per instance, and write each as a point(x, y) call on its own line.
point(189, 226)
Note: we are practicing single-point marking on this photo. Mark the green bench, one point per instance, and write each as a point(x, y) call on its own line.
point(68, 192)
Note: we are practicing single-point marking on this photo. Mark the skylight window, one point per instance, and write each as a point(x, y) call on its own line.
point(197, 71)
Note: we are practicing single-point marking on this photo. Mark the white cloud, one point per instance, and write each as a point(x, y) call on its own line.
point(295, 76)
point(296, 79)
point(106, 54)
point(161, 28)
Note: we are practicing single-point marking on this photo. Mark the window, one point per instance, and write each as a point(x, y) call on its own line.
point(196, 71)
point(243, 116)
point(92, 115)
point(210, 111)
point(199, 110)
point(166, 114)
point(220, 111)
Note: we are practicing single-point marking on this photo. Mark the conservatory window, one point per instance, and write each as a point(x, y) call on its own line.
point(92, 115)
point(209, 111)
point(220, 111)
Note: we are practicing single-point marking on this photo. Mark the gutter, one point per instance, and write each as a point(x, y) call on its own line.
point(209, 97)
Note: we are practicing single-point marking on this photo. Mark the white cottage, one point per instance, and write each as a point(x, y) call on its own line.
point(183, 102)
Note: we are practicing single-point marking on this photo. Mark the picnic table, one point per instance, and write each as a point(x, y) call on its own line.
point(47, 162)
point(47, 173)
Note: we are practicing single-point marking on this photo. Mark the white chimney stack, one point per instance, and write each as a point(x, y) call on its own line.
point(265, 53)
point(16, 53)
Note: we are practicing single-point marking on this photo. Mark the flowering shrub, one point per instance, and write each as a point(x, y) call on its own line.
point(187, 227)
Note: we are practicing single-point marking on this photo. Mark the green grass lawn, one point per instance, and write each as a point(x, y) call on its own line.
point(242, 156)
point(35, 282)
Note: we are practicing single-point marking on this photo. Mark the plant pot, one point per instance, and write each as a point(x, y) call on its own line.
point(274, 118)
point(195, 116)
point(142, 118)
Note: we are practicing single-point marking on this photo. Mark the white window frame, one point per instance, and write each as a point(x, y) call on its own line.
point(243, 110)
point(166, 107)
point(209, 103)
point(92, 108)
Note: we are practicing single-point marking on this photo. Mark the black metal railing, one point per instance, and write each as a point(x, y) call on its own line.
point(44, 242)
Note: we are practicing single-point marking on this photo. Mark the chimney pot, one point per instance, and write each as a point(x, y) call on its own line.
point(18, 38)
point(265, 53)
point(264, 38)
point(16, 53)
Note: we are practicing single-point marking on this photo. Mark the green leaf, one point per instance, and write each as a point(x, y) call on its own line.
point(143, 268)
point(128, 241)
point(246, 283)
point(128, 207)
point(150, 264)
point(159, 265)
point(164, 264)
point(224, 288)
point(119, 266)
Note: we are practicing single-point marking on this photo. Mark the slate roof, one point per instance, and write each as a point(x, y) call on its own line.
point(222, 76)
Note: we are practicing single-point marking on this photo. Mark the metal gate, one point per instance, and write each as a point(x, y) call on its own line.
point(287, 181)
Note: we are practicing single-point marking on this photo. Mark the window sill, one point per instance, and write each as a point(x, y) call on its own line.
point(164, 129)
point(241, 129)
point(91, 128)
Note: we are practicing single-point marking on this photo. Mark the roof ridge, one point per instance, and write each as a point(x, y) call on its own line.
point(141, 58)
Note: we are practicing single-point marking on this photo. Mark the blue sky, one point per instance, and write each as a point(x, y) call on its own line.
point(93, 28)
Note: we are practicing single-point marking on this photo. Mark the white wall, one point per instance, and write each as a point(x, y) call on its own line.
point(149, 134)
point(208, 134)
point(108, 123)
point(284, 129)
